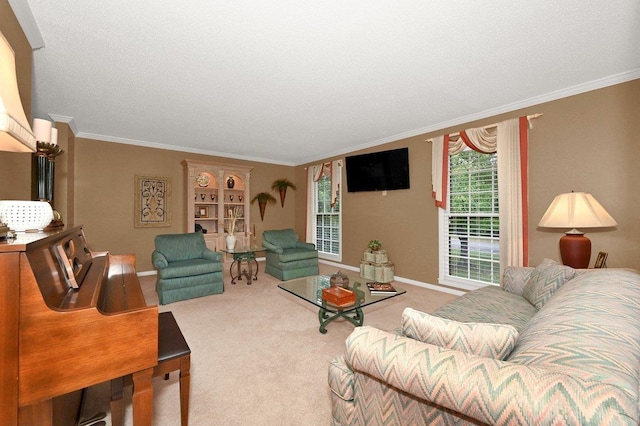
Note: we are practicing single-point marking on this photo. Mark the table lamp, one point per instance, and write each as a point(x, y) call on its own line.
point(576, 210)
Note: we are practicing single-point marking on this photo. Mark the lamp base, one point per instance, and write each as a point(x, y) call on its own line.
point(575, 250)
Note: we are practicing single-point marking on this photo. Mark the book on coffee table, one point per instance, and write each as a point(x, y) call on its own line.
point(381, 288)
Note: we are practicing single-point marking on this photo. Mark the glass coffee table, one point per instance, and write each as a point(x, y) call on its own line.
point(243, 256)
point(310, 289)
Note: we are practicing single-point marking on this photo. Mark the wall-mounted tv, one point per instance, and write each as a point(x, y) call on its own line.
point(378, 171)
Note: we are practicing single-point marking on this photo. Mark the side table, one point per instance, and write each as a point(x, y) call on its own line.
point(244, 260)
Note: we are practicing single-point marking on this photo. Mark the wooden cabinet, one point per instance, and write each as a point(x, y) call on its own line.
point(215, 193)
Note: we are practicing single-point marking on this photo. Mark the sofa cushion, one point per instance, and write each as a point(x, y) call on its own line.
point(544, 280)
point(490, 304)
point(482, 339)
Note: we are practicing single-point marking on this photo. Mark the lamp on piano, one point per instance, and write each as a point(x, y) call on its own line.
point(15, 133)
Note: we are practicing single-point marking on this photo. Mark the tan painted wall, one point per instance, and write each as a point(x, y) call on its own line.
point(105, 186)
point(583, 143)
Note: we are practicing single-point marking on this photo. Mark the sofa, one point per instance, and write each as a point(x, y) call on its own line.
point(549, 346)
point(287, 257)
point(186, 267)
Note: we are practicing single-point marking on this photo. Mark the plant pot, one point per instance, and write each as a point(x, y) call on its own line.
point(283, 195)
point(263, 207)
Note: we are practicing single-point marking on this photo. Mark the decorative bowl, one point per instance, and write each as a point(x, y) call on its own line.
point(339, 280)
point(21, 216)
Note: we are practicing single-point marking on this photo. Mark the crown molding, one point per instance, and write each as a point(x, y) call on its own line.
point(28, 23)
point(65, 119)
point(536, 100)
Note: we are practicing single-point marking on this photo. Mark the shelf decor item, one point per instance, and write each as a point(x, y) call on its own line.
point(281, 186)
point(230, 182)
point(263, 198)
point(21, 216)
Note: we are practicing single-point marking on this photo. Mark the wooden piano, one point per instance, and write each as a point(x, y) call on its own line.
point(70, 318)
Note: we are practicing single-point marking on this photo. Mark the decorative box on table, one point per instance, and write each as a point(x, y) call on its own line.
point(338, 296)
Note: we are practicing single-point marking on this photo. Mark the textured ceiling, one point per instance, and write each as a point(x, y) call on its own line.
point(291, 82)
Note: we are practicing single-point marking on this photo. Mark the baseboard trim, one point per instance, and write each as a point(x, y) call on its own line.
point(409, 281)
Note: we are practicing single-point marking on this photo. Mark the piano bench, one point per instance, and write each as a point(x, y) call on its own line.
point(173, 354)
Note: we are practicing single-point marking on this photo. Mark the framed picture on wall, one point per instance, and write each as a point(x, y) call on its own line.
point(153, 202)
point(601, 260)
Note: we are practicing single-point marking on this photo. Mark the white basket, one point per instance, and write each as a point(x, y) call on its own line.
point(23, 216)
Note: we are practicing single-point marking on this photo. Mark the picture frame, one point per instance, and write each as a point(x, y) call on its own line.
point(202, 212)
point(601, 260)
point(152, 202)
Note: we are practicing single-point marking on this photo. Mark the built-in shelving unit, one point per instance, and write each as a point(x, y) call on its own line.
point(215, 191)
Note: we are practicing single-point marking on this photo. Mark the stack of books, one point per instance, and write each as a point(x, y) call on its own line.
point(381, 288)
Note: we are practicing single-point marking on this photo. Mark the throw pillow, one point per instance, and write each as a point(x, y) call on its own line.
point(486, 340)
point(545, 279)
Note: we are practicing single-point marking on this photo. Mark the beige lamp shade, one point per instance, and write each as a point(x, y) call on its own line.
point(15, 133)
point(576, 210)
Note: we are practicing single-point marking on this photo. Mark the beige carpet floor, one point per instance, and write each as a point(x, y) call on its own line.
point(257, 355)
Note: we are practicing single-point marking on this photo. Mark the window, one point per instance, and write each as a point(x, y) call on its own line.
point(470, 226)
point(326, 221)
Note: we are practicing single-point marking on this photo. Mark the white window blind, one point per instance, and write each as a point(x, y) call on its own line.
point(327, 221)
point(470, 227)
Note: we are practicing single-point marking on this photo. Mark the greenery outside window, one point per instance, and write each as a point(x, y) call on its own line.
point(326, 221)
point(470, 225)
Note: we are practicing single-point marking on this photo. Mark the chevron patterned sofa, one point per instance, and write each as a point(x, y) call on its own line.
point(550, 346)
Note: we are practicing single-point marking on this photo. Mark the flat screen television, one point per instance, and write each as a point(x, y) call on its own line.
point(378, 171)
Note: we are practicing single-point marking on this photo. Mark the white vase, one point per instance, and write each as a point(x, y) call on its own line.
point(231, 242)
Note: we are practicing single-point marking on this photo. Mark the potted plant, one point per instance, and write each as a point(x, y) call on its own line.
point(263, 198)
point(375, 245)
point(281, 186)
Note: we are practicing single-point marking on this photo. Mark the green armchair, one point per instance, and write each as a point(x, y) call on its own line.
point(186, 267)
point(288, 258)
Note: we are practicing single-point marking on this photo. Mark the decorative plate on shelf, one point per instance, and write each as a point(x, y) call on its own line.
point(203, 180)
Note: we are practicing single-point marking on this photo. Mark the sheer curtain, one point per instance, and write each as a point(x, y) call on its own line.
point(510, 139)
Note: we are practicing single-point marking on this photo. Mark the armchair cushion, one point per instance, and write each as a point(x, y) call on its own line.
point(186, 268)
point(282, 238)
point(544, 280)
point(486, 340)
point(177, 247)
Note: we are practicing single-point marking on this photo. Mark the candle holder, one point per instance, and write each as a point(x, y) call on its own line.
point(44, 167)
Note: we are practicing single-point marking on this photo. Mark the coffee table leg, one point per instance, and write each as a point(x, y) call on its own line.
point(323, 316)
